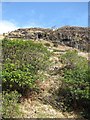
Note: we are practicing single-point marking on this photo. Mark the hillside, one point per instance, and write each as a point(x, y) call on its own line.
point(77, 37)
point(45, 73)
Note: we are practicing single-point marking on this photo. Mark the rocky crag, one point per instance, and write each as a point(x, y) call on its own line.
point(77, 37)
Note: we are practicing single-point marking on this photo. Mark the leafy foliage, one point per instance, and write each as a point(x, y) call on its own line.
point(76, 79)
point(21, 62)
point(10, 106)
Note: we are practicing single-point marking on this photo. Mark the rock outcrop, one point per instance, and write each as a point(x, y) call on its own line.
point(77, 37)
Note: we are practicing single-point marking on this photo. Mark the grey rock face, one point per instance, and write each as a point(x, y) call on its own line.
point(77, 37)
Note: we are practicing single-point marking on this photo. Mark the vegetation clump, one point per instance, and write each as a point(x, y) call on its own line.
point(10, 105)
point(76, 81)
point(22, 60)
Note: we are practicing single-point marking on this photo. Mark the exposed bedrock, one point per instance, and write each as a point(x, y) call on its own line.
point(77, 37)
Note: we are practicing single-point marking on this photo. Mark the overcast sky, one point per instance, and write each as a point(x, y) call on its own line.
point(46, 14)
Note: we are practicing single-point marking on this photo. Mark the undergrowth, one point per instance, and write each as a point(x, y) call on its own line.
point(75, 87)
point(22, 60)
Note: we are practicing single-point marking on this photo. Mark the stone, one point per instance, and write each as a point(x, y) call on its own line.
point(77, 37)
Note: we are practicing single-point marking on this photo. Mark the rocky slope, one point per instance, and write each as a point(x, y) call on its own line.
point(77, 37)
point(45, 104)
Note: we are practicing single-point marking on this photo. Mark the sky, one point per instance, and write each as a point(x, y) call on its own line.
point(43, 14)
point(45, 0)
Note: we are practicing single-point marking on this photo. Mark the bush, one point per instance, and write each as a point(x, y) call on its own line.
point(10, 106)
point(76, 79)
point(21, 62)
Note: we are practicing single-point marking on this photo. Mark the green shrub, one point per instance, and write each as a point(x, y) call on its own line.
point(10, 106)
point(21, 62)
point(76, 79)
